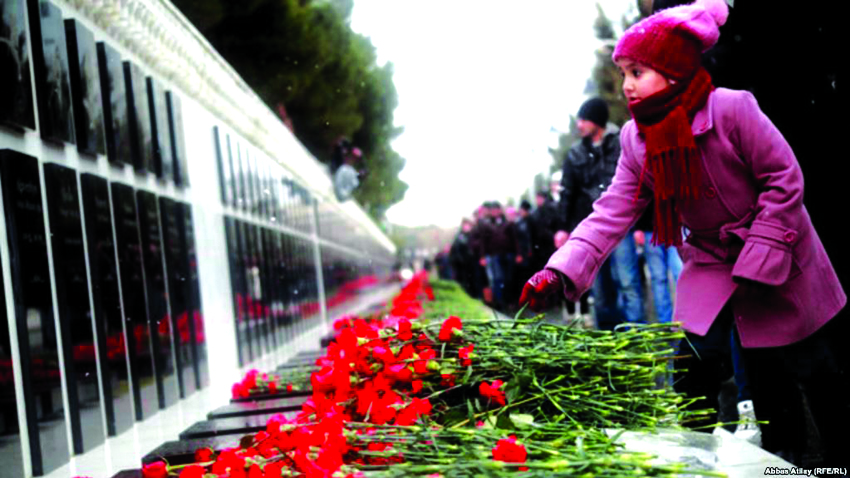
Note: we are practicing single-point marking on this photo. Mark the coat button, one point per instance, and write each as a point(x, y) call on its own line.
point(790, 236)
point(711, 193)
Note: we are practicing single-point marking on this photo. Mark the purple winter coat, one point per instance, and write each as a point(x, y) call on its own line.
point(749, 223)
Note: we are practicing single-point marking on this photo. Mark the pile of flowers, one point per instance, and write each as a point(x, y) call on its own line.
point(439, 387)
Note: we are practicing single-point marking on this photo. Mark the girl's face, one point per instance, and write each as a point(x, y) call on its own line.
point(639, 80)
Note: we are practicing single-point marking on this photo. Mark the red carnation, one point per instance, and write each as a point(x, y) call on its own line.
point(404, 330)
point(272, 387)
point(400, 372)
point(449, 326)
point(509, 451)
point(288, 387)
point(203, 455)
point(465, 355)
point(384, 354)
point(193, 471)
point(156, 469)
point(448, 380)
point(492, 392)
point(417, 386)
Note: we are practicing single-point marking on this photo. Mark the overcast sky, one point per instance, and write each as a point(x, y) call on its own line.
point(480, 83)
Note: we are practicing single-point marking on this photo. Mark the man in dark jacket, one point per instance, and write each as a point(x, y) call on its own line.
point(588, 171)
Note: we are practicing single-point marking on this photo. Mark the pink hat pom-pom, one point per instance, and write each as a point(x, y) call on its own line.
point(717, 9)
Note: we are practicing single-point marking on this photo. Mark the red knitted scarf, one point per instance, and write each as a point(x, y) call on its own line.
point(664, 119)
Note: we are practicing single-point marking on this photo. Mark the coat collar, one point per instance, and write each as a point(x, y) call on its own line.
point(703, 120)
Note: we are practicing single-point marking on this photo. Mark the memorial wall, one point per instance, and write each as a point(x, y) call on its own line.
point(160, 228)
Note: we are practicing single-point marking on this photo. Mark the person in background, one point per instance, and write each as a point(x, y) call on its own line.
point(462, 258)
point(511, 214)
point(588, 170)
point(498, 253)
point(346, 176)
point(525, 253)
point(544, 224)
point(710, 161)
point(481, 284)
point(444, 269)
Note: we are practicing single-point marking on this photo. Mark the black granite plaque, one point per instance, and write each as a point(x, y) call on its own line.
point(194, 302)
point(252, 272)
point(138, 333)
point(268, 289)
point(225, 178)
point(141, 139)
point(112, 351)
point(238, 173)
point(75, 315)
point(228, 426)
point(234, 256)
point(246, 294)
point(177, 141)
point(178, 282)
point(277, 285)
point(52, 79)
point(113, 90)
point(157, 299)
point(85, 88)
point(15, 84)
point(10, 443)
point(163, 162)
point(182, 452)
point(262, 186)
point(37, 337)
point(288, 403)
point(247, 177)
point(274, 191)
point(128, 474)
point(257, 167)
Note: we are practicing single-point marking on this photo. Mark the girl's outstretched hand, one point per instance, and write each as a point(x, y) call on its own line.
point(538, 289)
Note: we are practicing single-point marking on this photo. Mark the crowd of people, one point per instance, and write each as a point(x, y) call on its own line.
point(498, 249)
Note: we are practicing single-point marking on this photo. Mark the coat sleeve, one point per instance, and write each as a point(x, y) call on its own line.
point(767, 253)
point(567, 191)
point(614, 214)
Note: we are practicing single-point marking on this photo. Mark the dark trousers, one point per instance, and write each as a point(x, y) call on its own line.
point(779, 378)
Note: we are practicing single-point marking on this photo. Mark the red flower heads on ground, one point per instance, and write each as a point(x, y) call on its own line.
point(509, 451)
point(449, 326)
point(421, 365)
point(156, 469)
point(203, 455)
point(465, 355)
point(492, 392)
point(400, 372)
point(409, 414)
point(193, 471)
point(405, 332)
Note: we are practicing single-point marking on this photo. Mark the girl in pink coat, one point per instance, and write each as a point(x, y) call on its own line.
point(715, 165)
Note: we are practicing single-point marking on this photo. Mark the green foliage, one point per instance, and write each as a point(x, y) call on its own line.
point(303, 54)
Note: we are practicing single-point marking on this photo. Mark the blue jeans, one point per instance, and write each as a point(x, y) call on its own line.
point(605, 311)
point(629, 280)
point(741, 380)
point(499, 269)
point(661, 261)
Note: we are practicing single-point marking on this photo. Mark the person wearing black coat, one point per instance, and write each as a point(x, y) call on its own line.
point(463, 259)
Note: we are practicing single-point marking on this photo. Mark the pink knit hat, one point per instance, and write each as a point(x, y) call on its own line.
point(672, 40)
